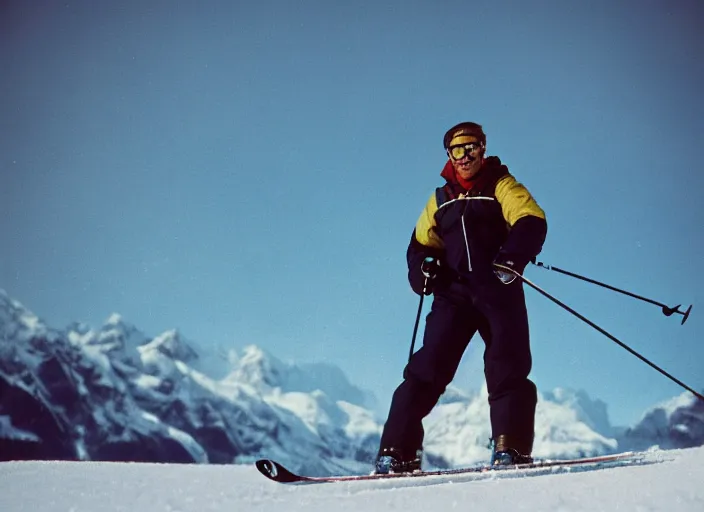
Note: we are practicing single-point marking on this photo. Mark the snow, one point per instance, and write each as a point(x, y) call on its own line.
point(79, 337)
point(670, 406)
point(196, 450)
point(360, 421)
point(673, 485)
point(147, 381)
point(567, 424)
point(7, 430)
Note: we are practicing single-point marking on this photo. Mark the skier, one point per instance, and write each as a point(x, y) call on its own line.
point(474, 231)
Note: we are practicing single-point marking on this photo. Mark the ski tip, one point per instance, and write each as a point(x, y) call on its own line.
point(268, 468)
point(275, 471)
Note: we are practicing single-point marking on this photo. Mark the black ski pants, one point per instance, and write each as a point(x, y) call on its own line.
point(498, 312)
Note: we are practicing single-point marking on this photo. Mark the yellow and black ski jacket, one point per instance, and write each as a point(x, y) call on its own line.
point(467, 230)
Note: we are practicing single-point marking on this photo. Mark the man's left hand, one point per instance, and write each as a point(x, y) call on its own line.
point(506, 269)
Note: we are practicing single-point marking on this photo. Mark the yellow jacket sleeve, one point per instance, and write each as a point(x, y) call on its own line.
point(515, 200)
point(425, 227)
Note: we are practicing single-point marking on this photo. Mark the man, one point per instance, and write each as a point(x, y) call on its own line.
point(475, 234)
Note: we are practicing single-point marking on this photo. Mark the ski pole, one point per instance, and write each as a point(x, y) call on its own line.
point(602, 331)
point(429, 268)
point(415, 327)
point(666, 310)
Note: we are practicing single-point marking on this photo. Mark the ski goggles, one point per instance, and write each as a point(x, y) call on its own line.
point(458, 152)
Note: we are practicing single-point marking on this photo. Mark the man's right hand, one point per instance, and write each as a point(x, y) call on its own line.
point(430, 269)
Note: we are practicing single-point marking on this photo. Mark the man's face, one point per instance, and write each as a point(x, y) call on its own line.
point(466, 154)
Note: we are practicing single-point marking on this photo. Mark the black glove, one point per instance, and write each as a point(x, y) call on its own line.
point(507, 268)
point(424, 276)
point(416, 255)
point(430, 267)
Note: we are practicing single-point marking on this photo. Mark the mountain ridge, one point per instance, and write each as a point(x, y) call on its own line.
point(114, 393)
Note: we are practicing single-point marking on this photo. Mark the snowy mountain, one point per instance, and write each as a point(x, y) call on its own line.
point(116, 394)
point(673, 484)
point(676, 423)
point(459, 432)
point(568, 424)
point(266, 372)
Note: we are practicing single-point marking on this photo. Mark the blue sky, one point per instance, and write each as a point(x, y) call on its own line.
point(250, 173)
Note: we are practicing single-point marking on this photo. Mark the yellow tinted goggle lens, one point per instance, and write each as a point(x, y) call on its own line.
point(459, 152)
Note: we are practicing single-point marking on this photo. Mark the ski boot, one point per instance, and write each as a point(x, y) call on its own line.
point(391, 460)
point(509, 457)
point(504, 454)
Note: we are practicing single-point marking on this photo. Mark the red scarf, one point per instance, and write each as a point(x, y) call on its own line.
point(450, 174)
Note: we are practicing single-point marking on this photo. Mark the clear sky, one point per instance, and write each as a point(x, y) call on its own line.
point(250, 172)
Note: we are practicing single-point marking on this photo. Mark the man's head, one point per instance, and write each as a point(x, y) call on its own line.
point(465, 144)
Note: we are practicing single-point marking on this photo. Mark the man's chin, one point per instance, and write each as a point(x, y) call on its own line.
point(466, 175)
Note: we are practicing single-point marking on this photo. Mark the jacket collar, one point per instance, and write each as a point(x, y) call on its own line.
point(490, 167)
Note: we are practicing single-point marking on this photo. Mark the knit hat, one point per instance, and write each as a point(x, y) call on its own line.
point(464, 133)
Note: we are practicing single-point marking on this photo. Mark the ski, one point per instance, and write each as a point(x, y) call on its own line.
point(278, 473)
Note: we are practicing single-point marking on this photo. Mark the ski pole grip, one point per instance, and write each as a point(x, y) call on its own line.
point(430, 267)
